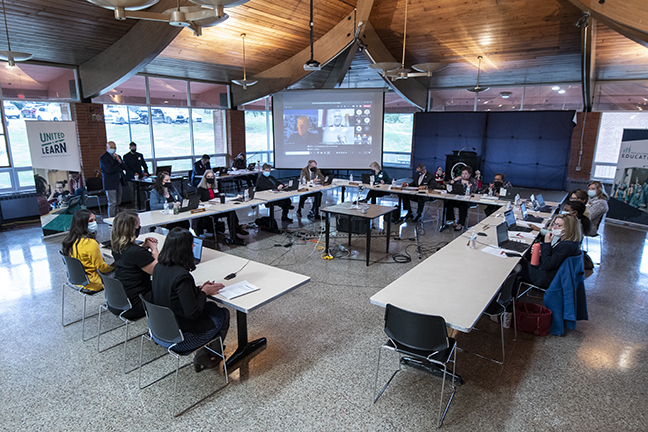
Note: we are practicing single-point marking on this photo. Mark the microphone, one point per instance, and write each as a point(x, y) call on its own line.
point(466, 148)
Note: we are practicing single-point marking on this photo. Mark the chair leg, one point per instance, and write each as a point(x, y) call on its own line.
point(514, 321)
point(502, 331)
point(63, 306)
point(99, 327)
point(175, 386)
point(390, 379)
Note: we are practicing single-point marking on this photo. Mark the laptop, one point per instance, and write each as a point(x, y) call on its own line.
point(292, 185)
point(250, 195)
point(190, 203)
point(509, 217)
point(541, 206)
point(527, 217)
point(366, 179)
point(508, 194)
point(328, 180)
point(197, 249)
point(504, 242)
point(163, 168)
point(251, 166)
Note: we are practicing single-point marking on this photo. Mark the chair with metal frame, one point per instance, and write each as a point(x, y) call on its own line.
point(94, 189)
point(498, 307)
point(118, 303)
point(77, 280)
point(424, 338)
point(163, 325)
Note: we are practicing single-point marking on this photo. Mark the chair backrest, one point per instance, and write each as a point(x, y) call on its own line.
point(506, 291)
point(415, 330)
point(76, 272)
point(115, 293)
point(162, 323)
point(94, 184)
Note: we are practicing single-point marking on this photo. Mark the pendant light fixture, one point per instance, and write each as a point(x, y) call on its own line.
point(312, 64)
point(477, 88)
point(11, 57)
point(244, 82)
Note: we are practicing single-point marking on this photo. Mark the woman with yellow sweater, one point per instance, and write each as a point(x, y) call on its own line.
point(80, 243)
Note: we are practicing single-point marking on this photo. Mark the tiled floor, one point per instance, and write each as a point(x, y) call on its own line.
point(317, 371)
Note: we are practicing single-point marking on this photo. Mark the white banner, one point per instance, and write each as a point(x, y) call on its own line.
point(631, 180)
point(53, 145)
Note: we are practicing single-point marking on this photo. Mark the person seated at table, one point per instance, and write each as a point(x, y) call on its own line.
point(80, 243)
point(240, 163)
point(164, 192)
point(380, 178)
point(597, 205)
point(199, 169)
point(134, 263)
point(268, 182)
point(466, 183)
point(561, 242)
point(311, 173)
point(174, 287)
point(425, 180)
point(58, 194)
point(577, 209)
point(493, 189)
point(208, 190)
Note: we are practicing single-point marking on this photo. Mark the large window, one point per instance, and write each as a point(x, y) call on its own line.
point(175, 124)
point(259, 140)
point(609, 140)
point(397, 139)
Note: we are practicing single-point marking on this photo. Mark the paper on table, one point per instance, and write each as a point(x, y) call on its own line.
point(525, 235)
point(238, 289)
point(494, 251)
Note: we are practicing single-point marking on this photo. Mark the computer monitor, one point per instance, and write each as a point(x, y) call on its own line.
point(163, 168)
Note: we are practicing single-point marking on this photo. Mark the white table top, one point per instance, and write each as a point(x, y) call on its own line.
point(346, 208)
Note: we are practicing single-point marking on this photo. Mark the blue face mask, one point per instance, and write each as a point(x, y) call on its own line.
point(111, 150)
point(92, 227)
point(266, 173)
point(591, 193)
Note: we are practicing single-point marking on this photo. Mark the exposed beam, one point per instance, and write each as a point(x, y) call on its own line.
point(129, 54)
point(375, 50)
point(629, 32)
point(588, 59)
point(341, 67)
point(292, 70)
point(628, 13)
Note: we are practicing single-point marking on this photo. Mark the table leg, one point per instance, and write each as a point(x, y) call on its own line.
point(349, 230)
point(368, 228)
point(328, 229)
point(137, 196)
point(244, 346)
point(387, 221)
point(442, 224)
point(343, 191)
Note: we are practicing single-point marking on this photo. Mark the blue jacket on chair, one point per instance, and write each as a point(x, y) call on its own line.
point(565, 297)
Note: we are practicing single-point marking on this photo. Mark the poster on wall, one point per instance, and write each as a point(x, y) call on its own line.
point(54, 150)
point(630, 190)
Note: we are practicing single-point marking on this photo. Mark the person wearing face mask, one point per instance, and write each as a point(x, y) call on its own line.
point(164, 192)
point(136, 167)
point(577, 209)
point(499, 181)
point(597, 205)
point(466, 183)
point(80, 243)
point(134, 263)
point(268, 182)
point(380, 178)
point(311, 173)
point(112, 172)
point(208, 190)
point(425, 180)
point(561, 242)
point(199, 169)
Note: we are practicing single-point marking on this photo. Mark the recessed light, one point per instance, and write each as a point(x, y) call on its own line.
point(561, 91)
point(555, 88)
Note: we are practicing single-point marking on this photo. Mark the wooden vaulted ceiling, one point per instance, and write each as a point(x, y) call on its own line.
point(522, 41)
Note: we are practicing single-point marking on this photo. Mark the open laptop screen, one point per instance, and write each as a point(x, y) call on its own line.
point(502, 233)
point(197, 248)
point(509, 217)
point(523, 210)
point(541, 202)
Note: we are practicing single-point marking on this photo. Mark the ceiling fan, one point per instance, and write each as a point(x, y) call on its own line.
point(395, 71)
point(11, 57)
point(206, 13)
point(244, 82)
point(477, 88)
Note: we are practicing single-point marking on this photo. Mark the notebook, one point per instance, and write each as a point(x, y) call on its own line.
point(504, 242)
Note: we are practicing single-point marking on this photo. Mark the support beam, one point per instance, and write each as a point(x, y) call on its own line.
point(588, 60)
point(633, 34)
point(128, 55)
point(632, 14)
point(292, 70)
point(375, 50)
point(341, 67)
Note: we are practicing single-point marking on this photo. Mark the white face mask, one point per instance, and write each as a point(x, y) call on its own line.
point(557, 232)
point(92, 227)
point(591, 193)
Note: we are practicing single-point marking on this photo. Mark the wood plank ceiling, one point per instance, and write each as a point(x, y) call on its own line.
point(523, 41)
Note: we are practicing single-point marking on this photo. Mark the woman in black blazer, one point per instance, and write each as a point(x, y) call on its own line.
point(174, 287)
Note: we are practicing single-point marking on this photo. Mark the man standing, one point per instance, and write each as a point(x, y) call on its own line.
point(199, 169)
point(311, 173)
point(136, 167)
point(112, 171)
point(424, 180)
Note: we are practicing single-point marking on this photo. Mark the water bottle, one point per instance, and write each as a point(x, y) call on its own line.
point(246, 195)
point(372, 179)
point(303, 181)
point(351, 177)
point(508, 205)
point(490, 192)
point(473, 239)
point(394, 182)
point(468, 190)
point(166, 208)
point(517, 199)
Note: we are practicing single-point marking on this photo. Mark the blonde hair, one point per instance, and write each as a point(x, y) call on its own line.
point(203, 181)
point(123, 231)
point(572, 228)
point(375, 166)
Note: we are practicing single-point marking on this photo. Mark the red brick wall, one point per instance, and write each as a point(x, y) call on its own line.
point(589, 145)
point(92, 135)
point(235, 133)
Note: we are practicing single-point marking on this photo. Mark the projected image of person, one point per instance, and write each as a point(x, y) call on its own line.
point(303, 134)
point(337, 129)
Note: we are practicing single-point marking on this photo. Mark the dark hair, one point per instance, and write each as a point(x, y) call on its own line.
point(501, 175)
point(580, 194)
point(578, 206)
point(421, 165)
point(78, 230)
point(205, 156)
point(178, 250)
point(42, 188)
point(266, 166)
point(467, 168)
point(132, 143)
point(158, 181)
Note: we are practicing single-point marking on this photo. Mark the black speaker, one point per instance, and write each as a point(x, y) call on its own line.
point(458, 159)
point(358, 225)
